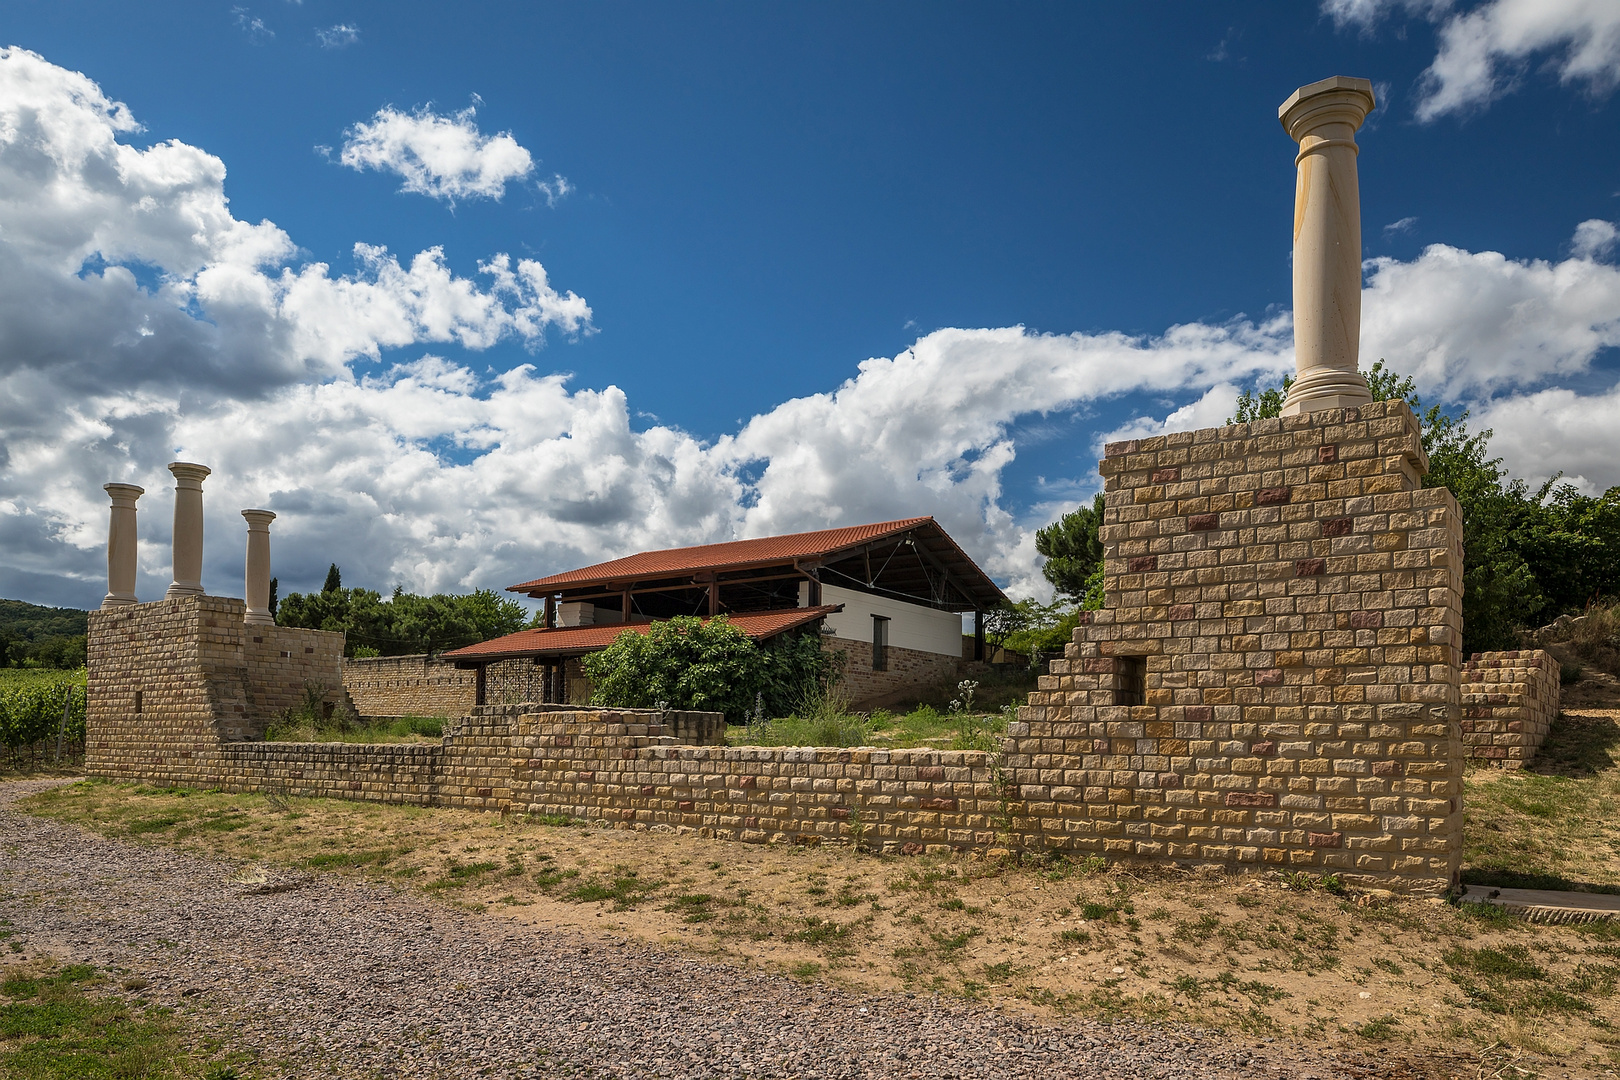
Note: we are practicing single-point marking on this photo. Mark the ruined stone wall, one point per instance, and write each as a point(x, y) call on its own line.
point(1287, 591)
point(1509, 701)
point(408, 686)
point(171, 679)
point(1291, 597)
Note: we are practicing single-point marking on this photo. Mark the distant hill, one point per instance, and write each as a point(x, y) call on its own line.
point(41, 636)
point(31, 622)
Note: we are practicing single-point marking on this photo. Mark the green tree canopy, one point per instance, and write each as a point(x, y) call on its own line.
point(405, 623)
point(1074, 551)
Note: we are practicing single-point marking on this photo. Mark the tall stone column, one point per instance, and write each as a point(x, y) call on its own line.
point(121, 547)
point(256, 587)
point(1323, 118)
point(188, 529)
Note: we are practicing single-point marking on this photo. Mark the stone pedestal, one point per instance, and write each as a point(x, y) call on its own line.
point(188, 529)
point(121, 545)
point(256, 586)
point(1323, 118)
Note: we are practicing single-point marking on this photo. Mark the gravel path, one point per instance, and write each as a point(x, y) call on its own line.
point(343, 978)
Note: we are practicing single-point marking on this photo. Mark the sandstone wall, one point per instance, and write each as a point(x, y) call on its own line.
point(407, 686)
point(1291, 596)
point(1509, 700)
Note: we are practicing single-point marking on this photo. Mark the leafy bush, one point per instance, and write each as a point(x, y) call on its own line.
point(687, 663)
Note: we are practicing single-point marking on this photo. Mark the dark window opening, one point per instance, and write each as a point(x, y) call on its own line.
point(139, 695)
point(880, 643)
point(1130, 680)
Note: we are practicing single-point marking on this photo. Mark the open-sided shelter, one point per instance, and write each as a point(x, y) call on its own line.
point(890, 595)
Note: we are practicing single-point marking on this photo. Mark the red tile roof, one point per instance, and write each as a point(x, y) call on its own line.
point(571, 640)
point(733, 554)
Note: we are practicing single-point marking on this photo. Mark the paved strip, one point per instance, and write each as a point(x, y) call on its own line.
point(346, 978)
point(1547, 905)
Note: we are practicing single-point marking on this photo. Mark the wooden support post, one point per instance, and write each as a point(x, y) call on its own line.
point(479, 684)
point(714, 597)
point(978, 635)
point(627, 604)
point(550, 622)
point(815, 593)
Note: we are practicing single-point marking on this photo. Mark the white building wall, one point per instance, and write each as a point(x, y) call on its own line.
point(911, 626)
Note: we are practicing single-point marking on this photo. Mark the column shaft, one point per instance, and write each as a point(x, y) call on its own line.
point(1323, 118)
point(256, 582)
point(188, 529)
point(121, 545)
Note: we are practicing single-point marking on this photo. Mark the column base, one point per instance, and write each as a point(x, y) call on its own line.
point(112, 600)
point(1320, 389)
point(178, 591)
point(259, 618)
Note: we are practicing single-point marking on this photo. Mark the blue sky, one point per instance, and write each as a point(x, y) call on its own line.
point(755, 200)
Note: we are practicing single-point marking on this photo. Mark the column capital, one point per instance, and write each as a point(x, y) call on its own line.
point(260, 519)
point(1336, 100)
point(123, 494)
point(188, 474)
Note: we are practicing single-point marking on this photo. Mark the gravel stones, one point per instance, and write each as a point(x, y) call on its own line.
point(354, 979)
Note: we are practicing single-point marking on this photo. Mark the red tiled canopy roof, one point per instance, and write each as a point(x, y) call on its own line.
point(729, 555)
point(573, 640)
point(934, 569)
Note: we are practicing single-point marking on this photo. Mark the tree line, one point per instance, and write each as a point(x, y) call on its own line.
point(34, 636)
point(403, 624)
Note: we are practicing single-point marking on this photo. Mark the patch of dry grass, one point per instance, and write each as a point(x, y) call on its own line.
point(1261, 955)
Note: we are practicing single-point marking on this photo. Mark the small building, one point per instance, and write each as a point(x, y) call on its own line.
point(890, 596)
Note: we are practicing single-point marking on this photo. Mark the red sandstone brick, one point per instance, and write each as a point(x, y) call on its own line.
point(1338, 526)
point(1250, 798)
point(1203, 522)
point(1276, 496)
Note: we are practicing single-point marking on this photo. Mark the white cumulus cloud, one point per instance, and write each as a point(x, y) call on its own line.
point(1483, 52)
point(445, 157)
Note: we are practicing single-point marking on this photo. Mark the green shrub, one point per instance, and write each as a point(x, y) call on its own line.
point(687, 663)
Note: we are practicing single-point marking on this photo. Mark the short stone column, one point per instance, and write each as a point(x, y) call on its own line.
point(188, 529)
point(1323, 118)
point(256, 586)
point(121, 545)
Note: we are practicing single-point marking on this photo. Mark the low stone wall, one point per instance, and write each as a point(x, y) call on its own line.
point(1510, 699)
point(605, 766)
point(408, 686)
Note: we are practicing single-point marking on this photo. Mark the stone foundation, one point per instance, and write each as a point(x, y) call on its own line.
point(1509, 700)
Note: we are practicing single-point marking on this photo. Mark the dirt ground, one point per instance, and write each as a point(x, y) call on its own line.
point(1272, 958)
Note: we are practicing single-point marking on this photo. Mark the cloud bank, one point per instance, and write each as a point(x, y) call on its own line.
point(141, 322)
